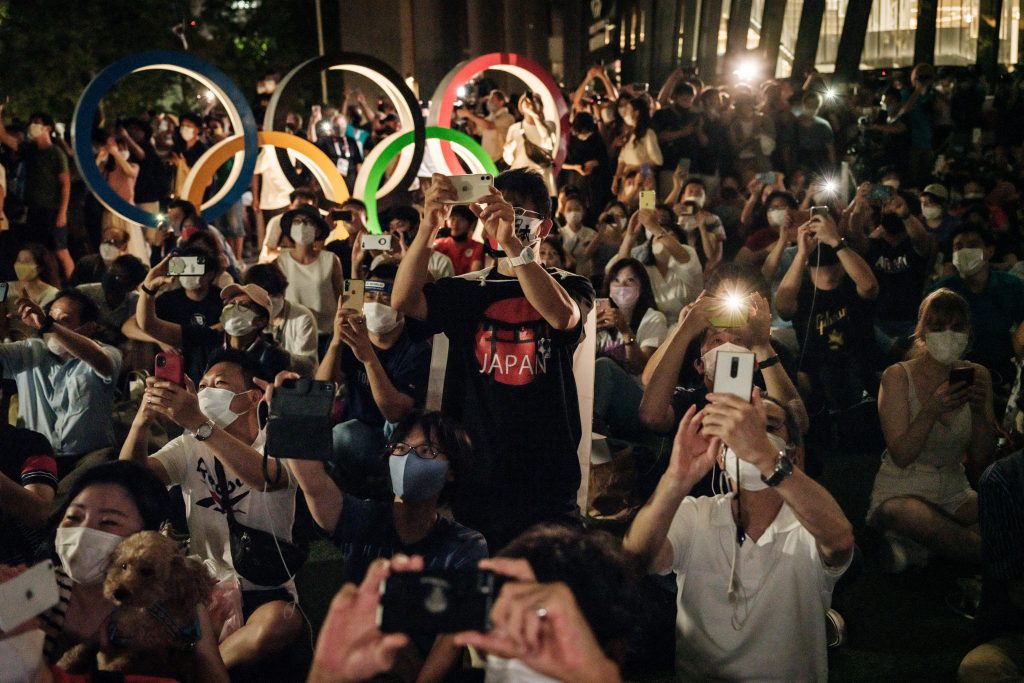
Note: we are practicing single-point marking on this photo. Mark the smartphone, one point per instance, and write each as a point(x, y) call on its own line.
point(300, 420)
point(734, 373)
point(28, 595)
point(471, 188)
point(684, 165)
point(648, 198)
point(352, 296)
point(879, 192)
point(768, 177)
point(437, 601)
point(3, 291)
point(186, 265)
point(603, 306)
point(688, 209)
point(170, 366)
point(964, 375)
point(375, 242)
point(819, 211)
point(729, 313)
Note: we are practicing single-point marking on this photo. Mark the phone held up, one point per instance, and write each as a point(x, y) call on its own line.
point(27, 595)
point(648, 199)
point(375, 242)
point(170, 366)
point(300, 420)
point(471, 188)
point(186, 265)
point(964, 375)
point(446, 601)
point(353, 294)
point(734, 373)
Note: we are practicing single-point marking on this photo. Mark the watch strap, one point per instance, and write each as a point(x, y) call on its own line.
point(203, 435)
point(842, 245)
point(47, 325)
point(783, 469)
point(768, 362)
point(525, 256)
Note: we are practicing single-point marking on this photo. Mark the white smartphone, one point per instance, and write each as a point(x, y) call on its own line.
point(28, 595)
point(186, 265)
point(471, 188)
point(734, 373)
point(375, 242)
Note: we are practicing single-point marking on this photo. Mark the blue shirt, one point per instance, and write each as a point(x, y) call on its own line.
point(66, 401)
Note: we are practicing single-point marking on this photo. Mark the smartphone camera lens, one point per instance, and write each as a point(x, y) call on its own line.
point(161, 361)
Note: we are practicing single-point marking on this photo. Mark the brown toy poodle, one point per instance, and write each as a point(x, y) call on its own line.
point(153, 629)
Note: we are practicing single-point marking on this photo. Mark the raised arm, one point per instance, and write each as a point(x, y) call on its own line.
point(789, 289)
point(145, 310)
point(853, 263)
point(407, 295)
point(78, 345)
point(136, 445)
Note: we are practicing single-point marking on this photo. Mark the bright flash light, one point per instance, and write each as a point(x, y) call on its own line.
point(208, 95)
point(828, 186)
point(830, 94)
point(461, 92)
point(733, 302)
point(325, 126)
point(746, 70)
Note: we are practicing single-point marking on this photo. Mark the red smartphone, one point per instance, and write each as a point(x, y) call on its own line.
point(170, 366)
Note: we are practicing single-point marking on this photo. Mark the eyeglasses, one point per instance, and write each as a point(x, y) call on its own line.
point(423, 450)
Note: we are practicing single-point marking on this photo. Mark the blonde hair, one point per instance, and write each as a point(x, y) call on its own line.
point(940, 309)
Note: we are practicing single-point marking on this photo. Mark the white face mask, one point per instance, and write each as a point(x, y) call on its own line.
point(188, 133)
point(630, 119)
point(697, 200)
point(215, 403)
point(22, 656)
point(947, 346)
point(624, 296)
point(931, 212)
point(894, 183)
point(573, 217)
point(109, 252)
point(190, 282)
point(276, 305)
point(974, 195)
point(777, 217)
point(238, 322)
point(124, 154)
point(969, 261)
point(85, 553)
point(380, 318)
point(608, 115)
point(35, 130)
point(710, 357)
point(55, 346)
point(501, 670)
point(303, 233)
point(745, 473)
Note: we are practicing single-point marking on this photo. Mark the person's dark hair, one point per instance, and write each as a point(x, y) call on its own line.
point(592, 563)
point(643, 117)
point(584, 122)
point(245, 361)
point(187, 208)
point(41, 255)
point(138, 481)
point(202, 244)
point(683, 88)
point(43, 118)
point(268, 276)
point(88, 312)
point(785, 196)
point(405, 213)
point(693, 181)
point(646, 299)
point(447, 435)
point(519, 185)
point(796, 435)
point(976, 228)
point(385, 269)
point(194, 119)
point(134, 270)
point(302, 193)
point(463, 211)
point(747, 277)
point(353, 202)
point(555, 242)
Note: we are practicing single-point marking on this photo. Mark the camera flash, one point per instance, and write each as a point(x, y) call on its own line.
point(733, 302)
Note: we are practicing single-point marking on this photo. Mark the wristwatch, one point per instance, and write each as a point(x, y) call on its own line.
point(842, 245)
point(783, 468)
point(204, 431)
point(525, 256)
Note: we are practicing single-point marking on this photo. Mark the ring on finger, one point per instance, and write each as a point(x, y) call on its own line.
point(540, 611)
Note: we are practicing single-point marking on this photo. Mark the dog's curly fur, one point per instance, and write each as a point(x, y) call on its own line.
point(148, 570)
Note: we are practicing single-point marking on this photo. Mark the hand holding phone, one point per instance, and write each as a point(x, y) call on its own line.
point(443, 601)
point(375, 242)
point(352, 296)
point(186, 265)
point(963, 375)
point(300, 420)
point(170, 366)
point(734, 373)
point(470, 189)
point(648, 200)
point(27, 595)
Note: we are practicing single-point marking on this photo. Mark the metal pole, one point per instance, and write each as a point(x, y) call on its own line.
point(320, 45)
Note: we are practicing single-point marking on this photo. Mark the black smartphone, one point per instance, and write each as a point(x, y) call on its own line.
point(438, 601)
point(964, 375)
point(3, 291)
point(300, 420)
point(879, 192)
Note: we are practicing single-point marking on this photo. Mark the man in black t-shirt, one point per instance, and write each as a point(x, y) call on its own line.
point(831, 313)
point(512, 330)
point(197, 301)
point(680, 133)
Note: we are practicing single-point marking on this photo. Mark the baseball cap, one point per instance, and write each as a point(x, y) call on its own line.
point(937, 191)
point(258, 295)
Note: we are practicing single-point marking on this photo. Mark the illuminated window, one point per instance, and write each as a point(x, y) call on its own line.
point(956, 32)
point(831, 28)
point(787, 41)
point(754, 32)
point(1009, 33)
point(890, 36)
point(723, 30)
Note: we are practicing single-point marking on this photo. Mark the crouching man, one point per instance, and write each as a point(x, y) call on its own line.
point(756, 566)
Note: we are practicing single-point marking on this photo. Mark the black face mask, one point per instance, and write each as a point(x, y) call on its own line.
point(893, 224)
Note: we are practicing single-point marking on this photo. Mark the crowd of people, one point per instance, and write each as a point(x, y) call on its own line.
point(862, 242)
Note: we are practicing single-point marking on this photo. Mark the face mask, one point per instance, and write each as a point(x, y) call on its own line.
point(630, 119)
point(85, 553)
point(22, 656)
point(238, 322)
point(622, 112)
point(415, 479)
point(573, 217)
point(276, 306)
point(697, 200)
point(124, 154)
point(657, 248)
point(54, 345)
point(109, 252)
point(624, 296)
point(777, 218)
point(191, 282)
point(946, 346)
point(380, 318)
point(893, 224)
point(303, 233)
point(501, 670)
point(709, 358)
point(931, 213)
point(894, 183)
point(620, 223)
point(188, 133)
point(26, 272)
point(491, 107)
point(528, 228)
point(743, 472)
point(608, 115)
point(35, 130)
point(215, 404)
point(974, 195)
point(969, 261)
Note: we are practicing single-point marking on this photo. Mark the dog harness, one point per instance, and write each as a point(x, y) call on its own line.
point(185, 638)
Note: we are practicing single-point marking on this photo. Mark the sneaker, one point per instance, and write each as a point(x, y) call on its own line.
point(835, 628)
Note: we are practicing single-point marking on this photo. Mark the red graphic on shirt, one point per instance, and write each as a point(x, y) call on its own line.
point(512, 342)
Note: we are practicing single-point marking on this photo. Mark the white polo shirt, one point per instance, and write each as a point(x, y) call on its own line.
point(774, 628)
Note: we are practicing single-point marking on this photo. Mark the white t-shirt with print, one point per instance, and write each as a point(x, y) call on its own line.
point(190, 464)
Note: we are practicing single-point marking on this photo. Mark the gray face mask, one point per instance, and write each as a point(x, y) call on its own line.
point(415, 479)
